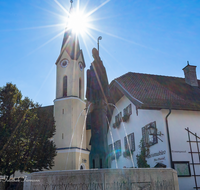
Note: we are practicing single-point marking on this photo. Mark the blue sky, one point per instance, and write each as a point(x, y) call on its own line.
point(145, 36)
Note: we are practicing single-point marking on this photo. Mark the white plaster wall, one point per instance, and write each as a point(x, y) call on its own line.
point(178, 121)
point(135, 124)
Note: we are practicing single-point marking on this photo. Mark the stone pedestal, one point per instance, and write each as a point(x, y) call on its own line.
point(104, 179)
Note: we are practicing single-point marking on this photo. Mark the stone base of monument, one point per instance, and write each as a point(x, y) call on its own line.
point(104, 179)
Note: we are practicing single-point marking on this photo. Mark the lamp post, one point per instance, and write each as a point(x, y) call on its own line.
point(99, 38)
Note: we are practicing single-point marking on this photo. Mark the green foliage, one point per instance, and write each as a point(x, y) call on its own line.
point(25, 130)
point(141, 158)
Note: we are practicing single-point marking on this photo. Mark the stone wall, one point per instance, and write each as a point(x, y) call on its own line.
point(104, 179)
point(2, 185)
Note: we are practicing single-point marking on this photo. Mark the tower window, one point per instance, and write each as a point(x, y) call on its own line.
point(62, 135)
point(80, 88)
point(63, 111)
point(64, 86)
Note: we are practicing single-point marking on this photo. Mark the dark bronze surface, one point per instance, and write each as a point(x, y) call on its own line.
point(97, 93)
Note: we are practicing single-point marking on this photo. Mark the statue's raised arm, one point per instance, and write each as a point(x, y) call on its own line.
point(97, 81)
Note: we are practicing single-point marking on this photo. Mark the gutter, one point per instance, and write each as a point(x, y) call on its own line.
point(168, 137)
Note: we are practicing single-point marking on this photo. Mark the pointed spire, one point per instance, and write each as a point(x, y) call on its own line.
point(70, 41)
point(71, 1)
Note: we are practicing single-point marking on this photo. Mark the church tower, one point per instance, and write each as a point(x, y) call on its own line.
point(69, 106)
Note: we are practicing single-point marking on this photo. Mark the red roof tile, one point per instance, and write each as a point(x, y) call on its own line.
point(160, 92)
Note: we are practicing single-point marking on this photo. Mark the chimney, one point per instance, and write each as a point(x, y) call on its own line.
point(190, 74)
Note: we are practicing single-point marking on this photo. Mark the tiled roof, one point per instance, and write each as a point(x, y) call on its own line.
point(160, 92)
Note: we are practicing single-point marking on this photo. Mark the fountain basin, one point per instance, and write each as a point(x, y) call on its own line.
point(104, 179)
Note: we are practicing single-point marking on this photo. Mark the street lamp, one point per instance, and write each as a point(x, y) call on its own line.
point(153, 131)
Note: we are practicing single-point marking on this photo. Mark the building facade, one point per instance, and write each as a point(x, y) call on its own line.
point(170, 106)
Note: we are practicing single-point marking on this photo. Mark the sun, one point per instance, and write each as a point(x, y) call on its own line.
point(78, 22)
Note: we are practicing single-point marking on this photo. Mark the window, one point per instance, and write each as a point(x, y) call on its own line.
point(131, 140)
point(182, 168)
point(117, 146)
point(80, 88)
point(148, 139)
point(110, 148)
point(126, 113)
point(63, 111)
point(128, 110)
point(64, 86)
point(111, 153)
point(118, 118)
point(62, 135)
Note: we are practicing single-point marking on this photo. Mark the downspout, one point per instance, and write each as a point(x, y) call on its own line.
point(168, 137)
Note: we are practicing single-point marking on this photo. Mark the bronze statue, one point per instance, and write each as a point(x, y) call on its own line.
point(97, 82)
point(97, 93)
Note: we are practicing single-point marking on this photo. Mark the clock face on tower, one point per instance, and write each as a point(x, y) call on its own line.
point(64, 63)
point(80, 66)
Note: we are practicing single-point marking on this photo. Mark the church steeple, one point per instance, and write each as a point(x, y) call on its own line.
point(69, 103)
point(70, 40)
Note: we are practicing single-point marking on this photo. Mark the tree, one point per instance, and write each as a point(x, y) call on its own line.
point(25, 132)
point(141, 158)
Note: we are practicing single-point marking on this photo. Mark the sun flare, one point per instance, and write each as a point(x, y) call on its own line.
point(78, 22)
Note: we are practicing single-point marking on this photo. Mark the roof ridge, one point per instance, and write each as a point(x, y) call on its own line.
point(157, 75)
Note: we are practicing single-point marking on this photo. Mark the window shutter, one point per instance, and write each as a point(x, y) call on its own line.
point(155, 139)
point(119, 147)
point(125, 143)
point(115, 146)
point(116, 119)
point(129, 109)
point(132, 142)
point(124, 112)
point(110, 148)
